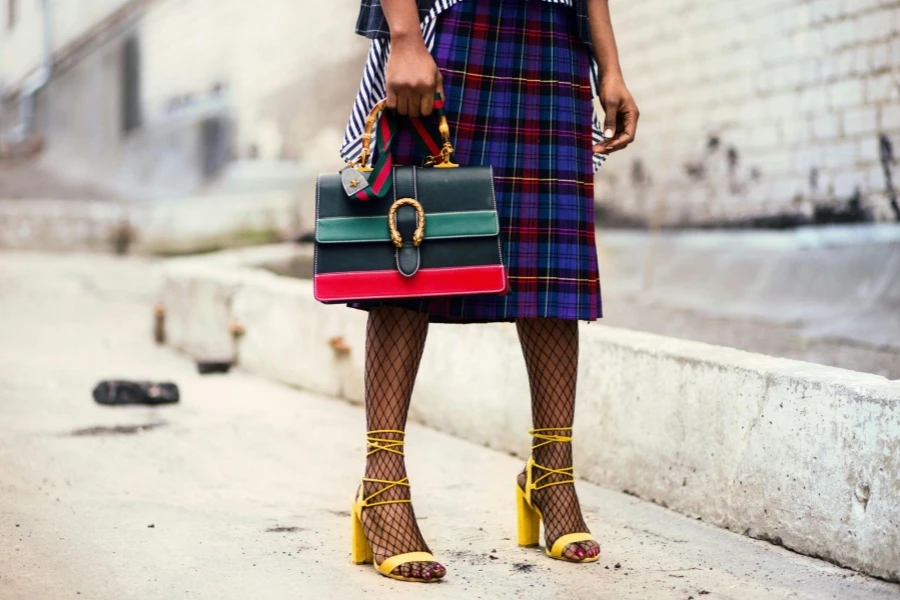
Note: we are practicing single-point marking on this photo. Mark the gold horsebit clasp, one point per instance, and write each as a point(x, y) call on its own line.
point(407, 253)
point(419, 233)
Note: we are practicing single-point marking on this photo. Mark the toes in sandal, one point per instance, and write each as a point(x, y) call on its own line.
point(529, 516)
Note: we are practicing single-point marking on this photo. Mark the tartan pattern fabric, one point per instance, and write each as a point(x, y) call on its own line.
point(518, 97)
point(372, 88)
point(372, 24)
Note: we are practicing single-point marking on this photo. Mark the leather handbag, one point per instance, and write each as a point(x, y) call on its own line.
point(394, 232)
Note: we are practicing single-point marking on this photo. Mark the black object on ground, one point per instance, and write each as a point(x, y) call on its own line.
point(119, 392)
point(207, 367)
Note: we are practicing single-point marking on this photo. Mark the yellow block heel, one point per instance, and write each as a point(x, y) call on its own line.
point(528, 520)
point(529, 516)
point(360, 548)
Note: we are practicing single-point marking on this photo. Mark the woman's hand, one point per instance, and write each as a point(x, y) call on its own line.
point(620, 124)
point(412, 77)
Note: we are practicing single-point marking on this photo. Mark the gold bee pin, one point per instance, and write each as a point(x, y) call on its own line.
point(352, 181)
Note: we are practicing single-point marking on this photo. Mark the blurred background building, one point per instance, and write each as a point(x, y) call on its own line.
point(771, 114)
point(155, 97)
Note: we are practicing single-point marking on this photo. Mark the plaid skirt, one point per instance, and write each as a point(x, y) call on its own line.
point(517, 84)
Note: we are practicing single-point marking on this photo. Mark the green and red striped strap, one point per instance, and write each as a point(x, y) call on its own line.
point(382, 176)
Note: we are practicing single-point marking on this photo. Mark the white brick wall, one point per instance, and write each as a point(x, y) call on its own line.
point(757, 109)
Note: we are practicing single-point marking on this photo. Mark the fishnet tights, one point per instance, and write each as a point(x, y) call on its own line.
point(550, 347)
point(395, 339)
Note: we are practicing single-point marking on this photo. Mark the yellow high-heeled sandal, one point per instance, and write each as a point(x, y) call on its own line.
point(529, 516)
point(360, 548)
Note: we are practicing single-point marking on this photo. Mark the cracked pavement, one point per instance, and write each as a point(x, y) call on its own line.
point(242, 490)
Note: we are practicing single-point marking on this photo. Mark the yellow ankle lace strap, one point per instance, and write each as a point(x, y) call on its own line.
point(568, 472)
point(547, 438)
point(367, 501)
point(541, 434)
point(375, 443)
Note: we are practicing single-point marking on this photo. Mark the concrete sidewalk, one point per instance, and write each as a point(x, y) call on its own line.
point(242, 491)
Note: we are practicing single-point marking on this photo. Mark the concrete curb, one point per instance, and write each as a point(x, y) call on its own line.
point(798, 454)
point(179, 226)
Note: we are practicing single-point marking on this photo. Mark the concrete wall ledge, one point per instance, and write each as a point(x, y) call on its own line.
point(835, 282)
point(802, 455)
point(176, 226)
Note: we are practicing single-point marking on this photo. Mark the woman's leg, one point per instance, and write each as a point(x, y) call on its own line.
point(550, 347)
point(395, 339)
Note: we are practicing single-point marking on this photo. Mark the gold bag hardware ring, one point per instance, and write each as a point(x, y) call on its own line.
point(419, 233)
point(441, 161)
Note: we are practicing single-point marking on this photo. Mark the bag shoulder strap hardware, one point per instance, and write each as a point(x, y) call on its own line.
point(379, 177)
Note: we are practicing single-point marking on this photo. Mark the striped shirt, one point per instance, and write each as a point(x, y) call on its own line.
point(373, 25)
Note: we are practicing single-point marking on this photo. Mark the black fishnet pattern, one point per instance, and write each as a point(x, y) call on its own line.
point(550, 347)
point(395, 340)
